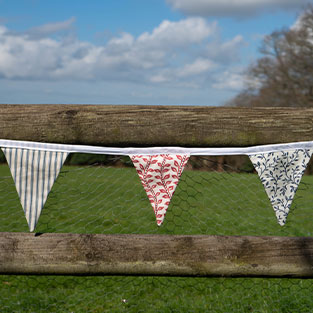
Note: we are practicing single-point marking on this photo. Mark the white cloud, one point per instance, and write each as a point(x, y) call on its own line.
point(234, 7)
point(187, 53)
point(50, 28)
point(231, 79)
point(178, 34)
point(226, 52)
point(187, 75)
point(198, 67)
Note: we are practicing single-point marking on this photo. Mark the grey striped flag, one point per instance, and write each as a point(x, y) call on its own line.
point(34, 173)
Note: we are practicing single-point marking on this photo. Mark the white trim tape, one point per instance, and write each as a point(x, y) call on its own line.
point(30, 145)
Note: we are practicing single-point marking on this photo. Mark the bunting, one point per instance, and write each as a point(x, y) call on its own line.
point(159, 175)
point(35, 166)
point(34, 173)
point(280, 173)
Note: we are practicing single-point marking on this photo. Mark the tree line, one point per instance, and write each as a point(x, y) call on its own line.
point(283, 76)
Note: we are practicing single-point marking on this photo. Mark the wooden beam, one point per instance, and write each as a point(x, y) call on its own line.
point(96, 254)
point(196, 126)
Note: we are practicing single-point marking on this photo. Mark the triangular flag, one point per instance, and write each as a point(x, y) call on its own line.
point(281, 173)
point(159, 175)
point(34, 173)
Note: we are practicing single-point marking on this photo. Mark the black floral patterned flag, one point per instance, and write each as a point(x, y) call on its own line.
point(280, 173)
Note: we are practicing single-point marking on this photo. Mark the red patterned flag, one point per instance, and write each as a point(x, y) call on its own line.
point(159, 175)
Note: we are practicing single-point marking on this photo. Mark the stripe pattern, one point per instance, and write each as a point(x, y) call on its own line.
point(34, 173)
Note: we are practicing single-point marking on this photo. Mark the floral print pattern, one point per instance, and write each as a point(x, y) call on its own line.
point(280, 173)
point(159, 175)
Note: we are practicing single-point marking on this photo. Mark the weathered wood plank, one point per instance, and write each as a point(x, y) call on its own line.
point(155, 125)
point(82, 254)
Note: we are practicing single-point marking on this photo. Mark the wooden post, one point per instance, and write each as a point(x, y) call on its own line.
point(155, 125)
point(82, 254)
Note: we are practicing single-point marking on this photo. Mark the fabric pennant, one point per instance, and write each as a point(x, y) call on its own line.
point(34, 173)
point(159, 175)
point(280, 173)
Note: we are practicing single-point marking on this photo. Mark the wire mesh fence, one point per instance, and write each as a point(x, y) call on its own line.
point(215, 196)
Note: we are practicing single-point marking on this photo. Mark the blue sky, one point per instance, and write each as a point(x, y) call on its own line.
point(133, 51)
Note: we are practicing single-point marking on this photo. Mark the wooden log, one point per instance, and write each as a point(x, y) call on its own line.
point(96, 254)
point(107, 125)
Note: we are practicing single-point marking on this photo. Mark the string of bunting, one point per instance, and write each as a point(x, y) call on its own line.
point(35, 167)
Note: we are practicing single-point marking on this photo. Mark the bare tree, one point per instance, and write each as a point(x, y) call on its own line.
point(284, 75)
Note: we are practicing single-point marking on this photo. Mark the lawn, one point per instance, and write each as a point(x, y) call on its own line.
point(112, 200)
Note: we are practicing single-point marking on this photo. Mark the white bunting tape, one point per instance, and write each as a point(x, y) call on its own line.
point(154, 150)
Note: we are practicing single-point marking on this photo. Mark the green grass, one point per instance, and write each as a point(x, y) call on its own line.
point(112, 200)
point(154, 294)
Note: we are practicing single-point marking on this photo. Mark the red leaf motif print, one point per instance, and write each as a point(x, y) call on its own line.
point(159, 175)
